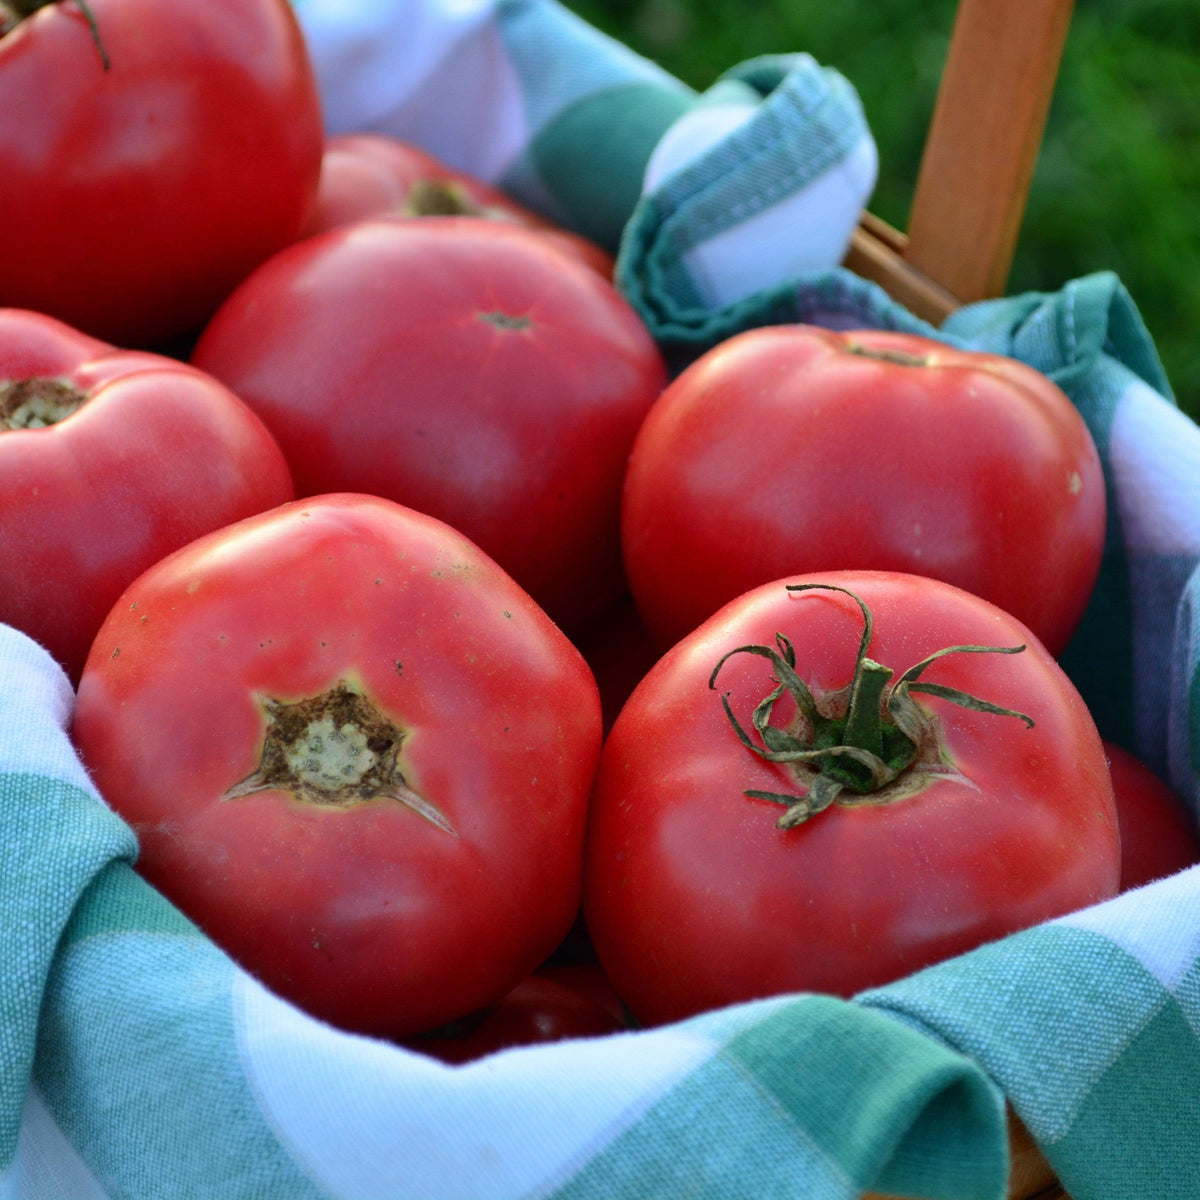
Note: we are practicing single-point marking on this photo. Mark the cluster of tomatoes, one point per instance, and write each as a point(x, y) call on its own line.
point(430, 635)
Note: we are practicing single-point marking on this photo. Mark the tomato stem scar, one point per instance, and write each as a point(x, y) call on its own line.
point(37, 402)
point(502, 320)
point(334, 750)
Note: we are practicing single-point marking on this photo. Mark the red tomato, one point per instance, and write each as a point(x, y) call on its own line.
point(109, 460)
point(588, 979)
point(548, 1006)
point(355, 752)
point(793, 448)
point(459, 366)
point(136, 195)
point(713, 875)
point(372, 175)
point(1158, 834)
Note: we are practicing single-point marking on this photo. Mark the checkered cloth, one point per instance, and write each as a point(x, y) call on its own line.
point(136, 1060)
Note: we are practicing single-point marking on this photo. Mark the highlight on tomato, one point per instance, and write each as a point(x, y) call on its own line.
point(355, 752)
point(836, 780)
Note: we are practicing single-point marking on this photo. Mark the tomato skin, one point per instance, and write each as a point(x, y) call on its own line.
point(695, 899)
point(549, 1006)
point(372, 175)
point(459, 366)
point(372, 917)
point(784, 451)
point(145, 192)
point(158, 454)
point(1158, 835)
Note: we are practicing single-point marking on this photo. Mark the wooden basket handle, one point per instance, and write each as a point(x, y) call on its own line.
point(978, 161)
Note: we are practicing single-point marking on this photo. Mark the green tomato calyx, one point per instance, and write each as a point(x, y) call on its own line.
point(334, 750)
point(868, 743)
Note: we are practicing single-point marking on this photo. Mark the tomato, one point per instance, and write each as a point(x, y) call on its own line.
point(143, 172)
point(373, 175)
point(1158, 834)
point(549, 1006)
point(459, 366)
point(794, 449)
point(587, 979)
point(109, 460)
point(355, 752)
point(715, 873)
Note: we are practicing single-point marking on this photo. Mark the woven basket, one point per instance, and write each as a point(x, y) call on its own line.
point(970, 195)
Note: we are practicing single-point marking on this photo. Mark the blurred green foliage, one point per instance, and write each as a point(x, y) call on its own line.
point(1117, 185)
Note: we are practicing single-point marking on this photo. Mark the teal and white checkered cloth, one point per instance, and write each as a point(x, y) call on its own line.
point(137, 1061)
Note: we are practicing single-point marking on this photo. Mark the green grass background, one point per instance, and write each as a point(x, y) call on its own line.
point(1117, 185)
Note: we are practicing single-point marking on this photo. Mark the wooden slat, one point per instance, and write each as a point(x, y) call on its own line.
point(1030, 1176)
point(983, 142)
point(874, 255)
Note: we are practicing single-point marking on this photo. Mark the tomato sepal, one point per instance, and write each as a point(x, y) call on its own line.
point(883, 748)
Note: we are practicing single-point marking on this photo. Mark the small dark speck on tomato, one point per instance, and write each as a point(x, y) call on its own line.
point(508, 614)
point(399, 667)
point(378, 582)
point(116, 651)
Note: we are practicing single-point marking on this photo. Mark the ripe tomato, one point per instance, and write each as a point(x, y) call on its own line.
point(139, 192)
point(462, 367)
point(355, 752)
point(549, 1006)
point(109, 460)
point(1158, 834)
point(794, 448)
point(696, 896)
point(372, 175)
